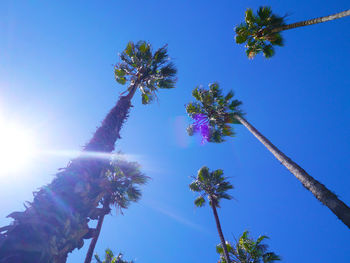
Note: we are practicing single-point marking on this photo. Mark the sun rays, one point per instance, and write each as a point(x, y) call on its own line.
point(17, 147)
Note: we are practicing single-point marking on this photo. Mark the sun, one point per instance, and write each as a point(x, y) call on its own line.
point(17, 147)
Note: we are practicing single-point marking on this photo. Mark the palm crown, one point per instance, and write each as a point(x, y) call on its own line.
point(213, 184)
point(212, 113)
point(256, 32)
point(246, 250)
point(120, 183)
point(147, 70)
point(111, 258)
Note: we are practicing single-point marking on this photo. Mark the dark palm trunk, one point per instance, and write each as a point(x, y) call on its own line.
point(329, 199)
point(105, 136)
point(56, 222)
point(97, 231)
point(221, 235)
point(311, 21)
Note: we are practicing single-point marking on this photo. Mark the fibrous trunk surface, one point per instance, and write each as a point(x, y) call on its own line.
point(56, 222)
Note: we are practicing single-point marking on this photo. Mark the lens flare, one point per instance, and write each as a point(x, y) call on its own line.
point(17, 147)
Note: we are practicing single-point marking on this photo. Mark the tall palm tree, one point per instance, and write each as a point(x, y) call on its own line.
point(247, 250)
point(56, 222)
point(121, 189)
point(213, 114)
point(111, 258)
point(214, 186)
point(141, 69)
point(261, 31)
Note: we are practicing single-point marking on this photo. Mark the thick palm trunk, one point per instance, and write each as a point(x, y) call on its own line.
point(329, 199)
point(221, 235)
point(312, 21)
point(92, 246)
point(56, 222)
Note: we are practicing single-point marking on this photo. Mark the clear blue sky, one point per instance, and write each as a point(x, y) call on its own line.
point(56, 79)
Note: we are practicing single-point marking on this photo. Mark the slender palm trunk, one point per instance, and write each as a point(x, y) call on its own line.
point(324, 195)
point(312, 21)
point(92, 246)
point(221, 235)
point(56, 222)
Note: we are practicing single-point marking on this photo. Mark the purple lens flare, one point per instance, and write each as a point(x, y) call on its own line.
point(201, 125)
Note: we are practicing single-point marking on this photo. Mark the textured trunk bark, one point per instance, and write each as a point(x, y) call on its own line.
point(312, 21)
point(105, 136)
point(221, 235)
point(92, 246)
point(56, 222)
point(329, 199)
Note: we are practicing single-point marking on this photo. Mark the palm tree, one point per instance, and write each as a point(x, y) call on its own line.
point(214, 186)
point(246, 250)
point(214, 113)
point(121, 190)
point(143, 70)
point(56, 222)
point(261, 31)
point(111, 258)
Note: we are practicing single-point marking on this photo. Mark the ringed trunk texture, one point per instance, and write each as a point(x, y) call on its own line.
point(221, 235)
point(324, 195)
point(312, 21)
point(56, 222)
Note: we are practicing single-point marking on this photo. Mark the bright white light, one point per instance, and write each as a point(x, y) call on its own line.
point(17, 147)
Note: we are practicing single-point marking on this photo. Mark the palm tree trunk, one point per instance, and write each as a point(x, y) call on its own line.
point(221, 235)
point(324, 195)
point(56, 222)
point(311, 21)
point(105, 136)
point(90, 252)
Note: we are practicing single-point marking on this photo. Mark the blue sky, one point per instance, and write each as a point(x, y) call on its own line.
point(56, 80)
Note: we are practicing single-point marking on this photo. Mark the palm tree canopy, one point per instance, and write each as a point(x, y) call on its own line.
point(119, 187)
point(212, 184)
point(213, 113)
point(111, 258)
point(121, 181)
point(150, 71)
point(247, 250)
point(256, 32)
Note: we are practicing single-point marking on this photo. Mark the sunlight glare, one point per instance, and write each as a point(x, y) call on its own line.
point(17, 147)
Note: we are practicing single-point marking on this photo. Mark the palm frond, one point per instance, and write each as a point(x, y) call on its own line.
point(218, 109)
point(111, 258)
point(146, 69)
point(257, 32)
point(194, 186)
point(199, 201)
point(247, 250)
point(212, 184)
point(121, 181)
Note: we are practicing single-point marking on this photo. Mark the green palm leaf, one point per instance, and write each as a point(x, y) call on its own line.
point(111, 258)
point(199, 201)
point(247, 250)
